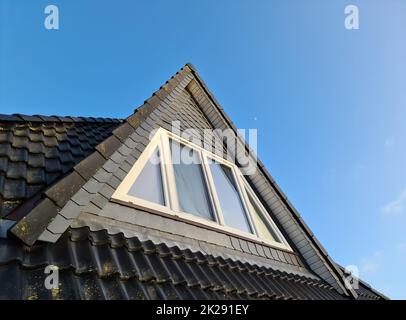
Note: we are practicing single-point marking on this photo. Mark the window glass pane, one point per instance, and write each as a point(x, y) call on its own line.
point(148, 185)
point(230, 201)
point(264, 229)
point(190, 183)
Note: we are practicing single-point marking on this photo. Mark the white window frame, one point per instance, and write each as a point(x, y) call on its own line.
point(161, 140)
point(263, 212)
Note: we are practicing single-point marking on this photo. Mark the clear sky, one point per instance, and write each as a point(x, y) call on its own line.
point(328, 103)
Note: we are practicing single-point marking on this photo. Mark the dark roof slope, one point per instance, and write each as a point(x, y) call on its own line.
point(36, 151)
point(96, 265)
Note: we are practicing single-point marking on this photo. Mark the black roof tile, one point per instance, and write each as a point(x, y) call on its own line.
point(13, 189)
point(35, 151)
point(29, 118)
point(35, 176)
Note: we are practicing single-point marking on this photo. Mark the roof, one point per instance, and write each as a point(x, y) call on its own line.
point(36, 151)
point(96, 265)
point(80, 200)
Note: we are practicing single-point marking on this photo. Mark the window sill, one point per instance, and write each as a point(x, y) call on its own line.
point(199, 222)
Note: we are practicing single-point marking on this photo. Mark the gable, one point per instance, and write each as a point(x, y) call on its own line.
point(177, 178)
point(187, 99)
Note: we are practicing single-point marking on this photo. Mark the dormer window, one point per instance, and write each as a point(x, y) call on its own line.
point(177, 178)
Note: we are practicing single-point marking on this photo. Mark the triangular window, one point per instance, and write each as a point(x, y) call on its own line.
point(175, 177)
point(264, 225)
point(148, 184)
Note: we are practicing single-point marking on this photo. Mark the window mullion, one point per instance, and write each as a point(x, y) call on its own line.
point(170, 183)
point(212, 189)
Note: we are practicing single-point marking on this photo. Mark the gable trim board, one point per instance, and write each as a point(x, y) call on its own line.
point(92, 181)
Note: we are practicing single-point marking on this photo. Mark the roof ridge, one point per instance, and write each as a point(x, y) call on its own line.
point(18, 117)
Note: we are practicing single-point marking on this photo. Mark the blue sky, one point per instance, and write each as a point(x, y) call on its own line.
point(328, 103)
